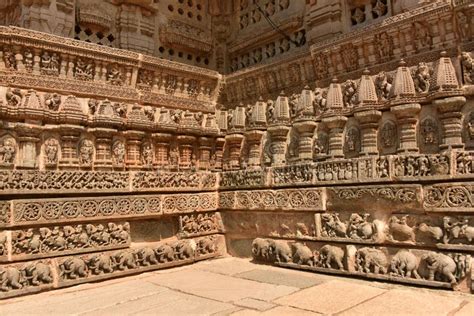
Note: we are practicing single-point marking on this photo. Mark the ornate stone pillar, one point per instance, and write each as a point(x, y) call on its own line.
point(336, 125)
point(278, 135)
point(218, 154)
point(253, 139)
point(187, 158)
point(407, 118)
point(451, 118)
point(234, 146)
point(368, 121)
point(305, 131)
point(162, 149)
point(69, 146)
point(28, 138)
point(134, 140)
point(103, 148)
point(204, 153)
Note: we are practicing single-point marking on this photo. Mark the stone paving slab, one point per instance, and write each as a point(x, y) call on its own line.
point(406, 302)
point(277, 311)
point(330, 297)
point(81, 301)
point(164, 303)
point(289, 278)
point(254, 304)
point(219, 287)
point(227, 266)
point(466, 310)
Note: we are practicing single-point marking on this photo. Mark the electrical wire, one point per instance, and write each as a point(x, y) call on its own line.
point(276, 28)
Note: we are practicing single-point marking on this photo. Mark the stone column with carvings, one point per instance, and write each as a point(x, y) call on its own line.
point(279, 119)
point(69, 146)
point(216, 163)
point(134, 141)
point(405, 111)
point(305, 131)
point(335, 125)
point(233, 143)
point(28, 138)
point(162, 149)
point(254, 138)
point(407, 118)
point(103, 148)
point(449, 106)
point(367, 117)
point(204, 153)
point(368, 121)
point(187, 157)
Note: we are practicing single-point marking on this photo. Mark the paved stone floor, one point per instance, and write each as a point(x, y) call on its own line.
point(232, 286)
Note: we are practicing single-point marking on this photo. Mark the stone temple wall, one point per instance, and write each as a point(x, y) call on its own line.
point(352, 154)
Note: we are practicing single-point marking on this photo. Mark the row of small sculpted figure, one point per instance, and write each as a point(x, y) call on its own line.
point(359, 226)
point(97, 264)
point(45, 240)
point(16, 276)
point(434, 266)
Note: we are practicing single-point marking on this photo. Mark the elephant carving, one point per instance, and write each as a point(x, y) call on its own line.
point(371, 260)
point(302, 255)
point(330, 256)
point(184, 249)
point(146, 256)
point(404, 264)
point(165, 253)
point(38, 273)
point(101, 263)
point(125, 260)
point(280, 251)
point(10, 279)
point(261, 249)
point(72, 268)
point(207, 245)
point(440, 266)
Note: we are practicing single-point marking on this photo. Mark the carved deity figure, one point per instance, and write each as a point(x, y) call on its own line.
point(174, 157)
point(14, 97)
point(84, 70)
point(383, 86)
point(421, 78)
point(51, 149)
point(8, 151)
point(114, 75)
point(147, 154)
point(86, 152)
point(320, 101)
point(350, 91)
point(429, 131)
point(52, 101)
point(384, 46)
point(49, 63)
point(467, 63)
point(28, 60)
point(118, 153)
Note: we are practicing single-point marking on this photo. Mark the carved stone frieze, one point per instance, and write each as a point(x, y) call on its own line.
point(455, 197)
point(421, 267)
point(200, 224)
point(99, 266)
point(59, 240)
point(301, 199)
point(23, 181)
point(278, 225)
